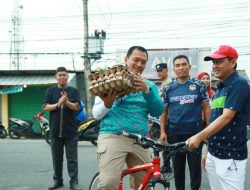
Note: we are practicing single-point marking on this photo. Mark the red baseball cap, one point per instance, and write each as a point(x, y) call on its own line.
point(222, 52)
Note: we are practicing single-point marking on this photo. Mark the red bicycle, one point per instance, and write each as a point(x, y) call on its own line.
point(153, 175)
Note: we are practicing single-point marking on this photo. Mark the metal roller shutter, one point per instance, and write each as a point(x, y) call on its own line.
point(26, 104)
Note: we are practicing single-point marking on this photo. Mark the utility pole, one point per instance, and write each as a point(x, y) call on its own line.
point(87, 66)
point(16, 37)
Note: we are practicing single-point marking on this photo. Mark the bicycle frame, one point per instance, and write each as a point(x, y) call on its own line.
point(152, 168)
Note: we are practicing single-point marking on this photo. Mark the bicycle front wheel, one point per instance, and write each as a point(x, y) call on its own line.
point(94, 182)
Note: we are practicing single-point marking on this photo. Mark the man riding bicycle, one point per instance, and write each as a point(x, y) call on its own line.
point(130, 114)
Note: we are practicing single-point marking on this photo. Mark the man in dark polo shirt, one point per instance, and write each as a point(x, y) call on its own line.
point(227, 142)
point(185, 99)
point(62, 101)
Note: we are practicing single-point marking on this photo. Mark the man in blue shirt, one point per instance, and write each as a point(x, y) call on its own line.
point(185, 100)
point(129, 113)
point(227, 142)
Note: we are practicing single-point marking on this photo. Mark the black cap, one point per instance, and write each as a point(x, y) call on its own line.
point(161, 66)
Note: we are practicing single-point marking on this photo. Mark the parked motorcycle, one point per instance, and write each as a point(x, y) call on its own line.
point(22, 128)
point(88, 131)
point(44, 125)
point(3, 132)
point(154, 128)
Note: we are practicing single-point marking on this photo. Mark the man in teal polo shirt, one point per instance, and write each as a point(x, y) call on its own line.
point(227, 143)
point(129, 113)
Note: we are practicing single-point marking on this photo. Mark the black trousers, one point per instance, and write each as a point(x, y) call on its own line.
point(57, 149)
point(166, 159)
point(179, 163)
point(165, 154)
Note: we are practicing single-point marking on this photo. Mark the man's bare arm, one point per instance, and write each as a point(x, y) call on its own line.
point(163, 121)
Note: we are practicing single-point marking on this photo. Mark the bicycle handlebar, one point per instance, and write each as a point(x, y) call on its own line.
point(139, 137)
point(155, 144)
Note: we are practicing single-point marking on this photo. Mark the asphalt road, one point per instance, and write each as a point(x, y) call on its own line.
point(26, 165)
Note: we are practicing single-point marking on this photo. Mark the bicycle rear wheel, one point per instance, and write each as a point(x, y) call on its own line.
point(94, 182)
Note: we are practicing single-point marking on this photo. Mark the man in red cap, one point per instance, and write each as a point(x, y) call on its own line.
point(227, 143)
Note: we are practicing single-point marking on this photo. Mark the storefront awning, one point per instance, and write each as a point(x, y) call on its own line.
point(20, 80)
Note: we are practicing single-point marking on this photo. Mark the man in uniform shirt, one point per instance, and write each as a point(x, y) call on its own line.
point(162, 73)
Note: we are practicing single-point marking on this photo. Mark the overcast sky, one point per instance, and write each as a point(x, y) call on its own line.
point(52, 26)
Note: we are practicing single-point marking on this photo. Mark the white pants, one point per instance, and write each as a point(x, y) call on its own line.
point(226, 174)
